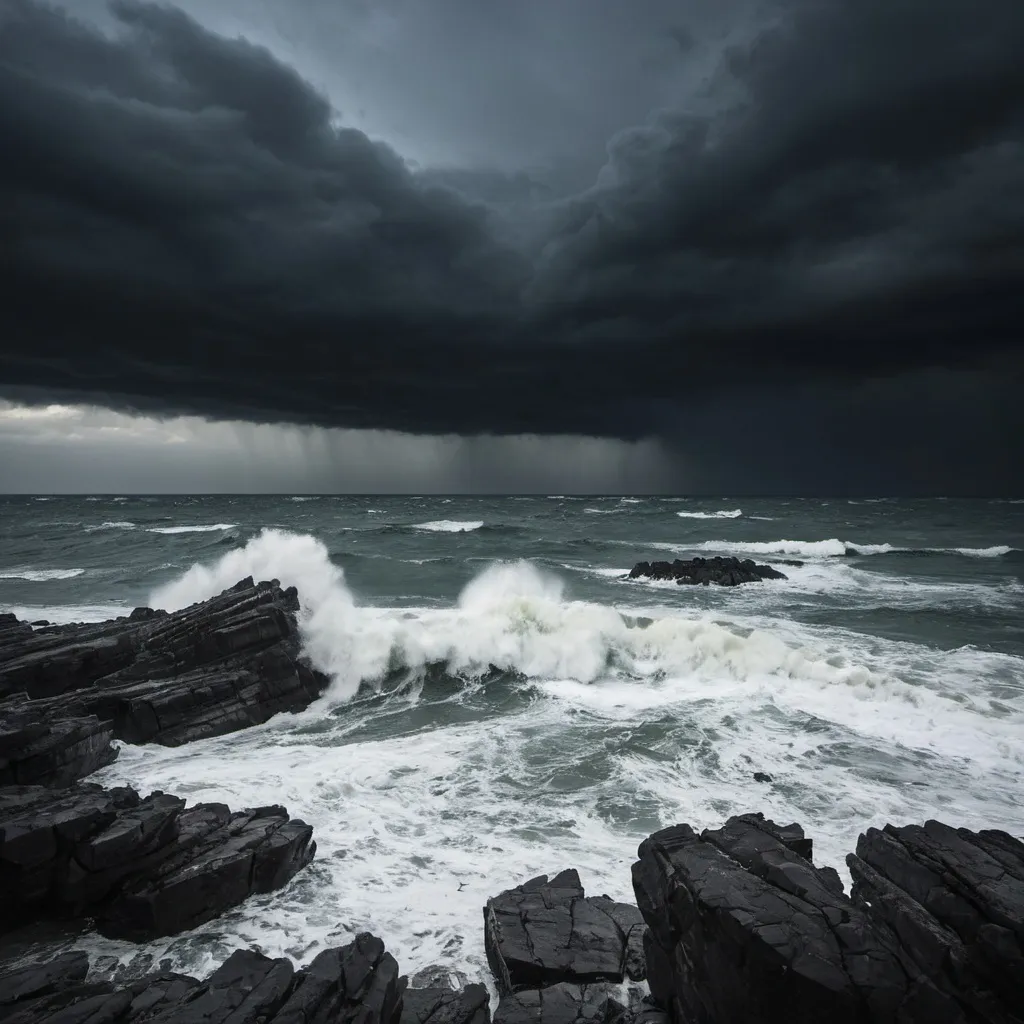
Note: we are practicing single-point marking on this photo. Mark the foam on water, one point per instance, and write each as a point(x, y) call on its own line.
point(192, 529)
point(40, 575)
point(721, 514)
point(62, 614)
point(830, 548)
point(450, 526)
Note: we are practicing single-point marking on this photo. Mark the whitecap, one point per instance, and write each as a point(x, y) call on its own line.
point(191, 529)
point(450, 526)
point(733, 513)
point(40, 575)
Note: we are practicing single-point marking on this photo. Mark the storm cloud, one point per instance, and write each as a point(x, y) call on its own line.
point(820, 220)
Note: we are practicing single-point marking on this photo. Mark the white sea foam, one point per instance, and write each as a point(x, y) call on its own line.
point(122, 524)
point(62, 614)
point(615, 731)
point(450, 526)
point(831, 548)
point(192, 529)
point(601, 511)
point(40, 575)
point(733, 513)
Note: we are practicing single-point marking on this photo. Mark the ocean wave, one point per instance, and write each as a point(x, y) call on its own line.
point(602, 511)
point(734, 513)
point(450, 526)
point(831, 548)
point(40, 575)
point(118, 525)
point(512, 617)
point(306, 497)
point(191, 529)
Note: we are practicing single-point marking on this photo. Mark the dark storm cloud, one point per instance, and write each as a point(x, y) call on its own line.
point(187, 228)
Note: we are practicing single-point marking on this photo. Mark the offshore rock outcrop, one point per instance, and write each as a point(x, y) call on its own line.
point(141, 867)
point(744, 927)
point(152, 677)
point(354, 984)
point(723, 572)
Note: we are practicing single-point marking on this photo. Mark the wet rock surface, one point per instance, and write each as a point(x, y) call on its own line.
point(141, 867)
point(547, 931)
point(723, 572)
point(355, 983)
point(218, 666)
point(744, 927)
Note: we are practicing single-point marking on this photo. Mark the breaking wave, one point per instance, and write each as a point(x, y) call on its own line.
point(831, 548)
point(40, 575)
point(192, 529)
point(512, 617)
point(734, 513)
point(450, 526)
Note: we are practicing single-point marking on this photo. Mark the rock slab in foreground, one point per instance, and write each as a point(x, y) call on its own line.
point(723, 572)
point(152, 677)
point(356, 984)
point(142, 867)
point(744, 927)
point(545, 932)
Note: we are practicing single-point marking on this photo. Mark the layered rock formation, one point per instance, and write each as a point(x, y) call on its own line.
point(356, 984)
point(555, 952)
point(141, 868)
point(743, 927)
point(151, 677)
point(723, 572)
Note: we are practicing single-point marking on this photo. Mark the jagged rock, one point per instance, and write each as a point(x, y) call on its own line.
point(545, 932)
point(954, 900)
point(357, 983)
point(37, 980)
point(142, 868)
point(442, 1005)
point(36, 748)
point(725, 572)
point(744, 927)
point(564, 1003)
point(218, 666)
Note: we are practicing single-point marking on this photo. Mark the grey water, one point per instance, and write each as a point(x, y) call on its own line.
point(505, 703)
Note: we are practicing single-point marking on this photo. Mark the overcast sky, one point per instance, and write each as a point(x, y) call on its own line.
point(696, 246)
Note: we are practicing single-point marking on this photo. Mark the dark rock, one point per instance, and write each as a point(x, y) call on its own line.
point(35, 980)
point(37, 747)
point(762, 777)
point(564, 1003)
point(954, 899)
point(724, 572)
point(357, 983)
point(218, 666)
point(545, 932)
point(142, 868)
point(437, 1005)
point(744, 927)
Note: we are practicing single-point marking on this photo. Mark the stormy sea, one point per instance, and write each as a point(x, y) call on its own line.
point(505, 703)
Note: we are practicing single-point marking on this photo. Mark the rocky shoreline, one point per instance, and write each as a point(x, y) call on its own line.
point(731, 924)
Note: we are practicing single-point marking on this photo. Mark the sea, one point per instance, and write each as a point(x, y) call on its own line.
point(506, 703)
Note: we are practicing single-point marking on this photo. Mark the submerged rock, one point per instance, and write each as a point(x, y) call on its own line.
point(744, 927)
point(141, 867)
point(724, 572)
point(152, 677)
point(356, 983)
point(545, 932)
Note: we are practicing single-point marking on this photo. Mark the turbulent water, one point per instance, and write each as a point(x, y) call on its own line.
point(504, 703)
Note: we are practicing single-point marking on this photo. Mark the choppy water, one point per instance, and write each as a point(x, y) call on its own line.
point(505, 704)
